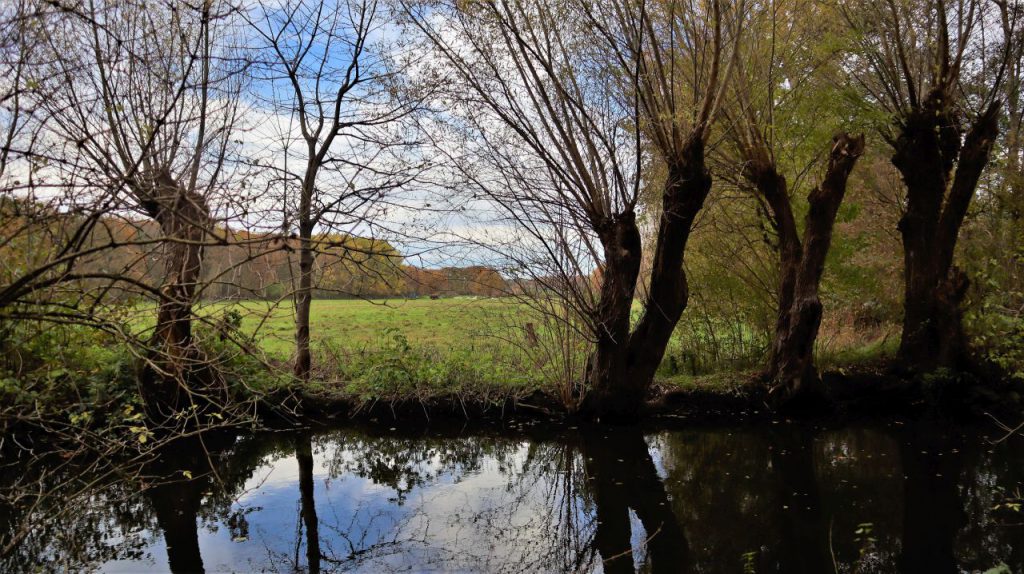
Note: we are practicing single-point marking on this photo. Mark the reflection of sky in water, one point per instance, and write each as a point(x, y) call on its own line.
point(785, 498)
point(473, 520)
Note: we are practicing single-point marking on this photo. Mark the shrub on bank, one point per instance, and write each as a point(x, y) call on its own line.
point(73, 372)
point(395, 370)
point(81, 376)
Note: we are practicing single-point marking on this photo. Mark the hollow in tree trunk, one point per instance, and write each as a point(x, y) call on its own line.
point(941, 169)
point(623, 365)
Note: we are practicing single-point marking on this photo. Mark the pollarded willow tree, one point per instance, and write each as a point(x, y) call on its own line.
point(141, 107)
point(555, 106)
point(679, 56)
point(780, 106)
point(935, 68)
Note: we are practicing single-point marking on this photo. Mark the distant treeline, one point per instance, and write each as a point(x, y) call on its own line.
point(239, 264)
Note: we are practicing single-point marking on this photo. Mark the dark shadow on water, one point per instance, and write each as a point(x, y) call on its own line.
point(773, 499)
point(803, 528)
point(304, 457)
point(933, 512)
point(622, 477)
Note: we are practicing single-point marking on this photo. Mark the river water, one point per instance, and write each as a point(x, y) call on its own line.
point(782, 497)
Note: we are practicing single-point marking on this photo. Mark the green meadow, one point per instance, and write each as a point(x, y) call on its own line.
point(402, 348)
point(452, 323)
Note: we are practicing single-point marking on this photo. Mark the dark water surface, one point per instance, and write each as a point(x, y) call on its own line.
point(773, 498)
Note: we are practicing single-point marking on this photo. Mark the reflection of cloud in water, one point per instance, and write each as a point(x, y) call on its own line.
point(784, 498)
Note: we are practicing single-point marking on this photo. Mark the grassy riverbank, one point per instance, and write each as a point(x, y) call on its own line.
point(450, 351)
point(424, 360)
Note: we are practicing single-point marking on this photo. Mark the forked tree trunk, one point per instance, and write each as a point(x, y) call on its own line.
point(623, 366)
point(927, 149)
point(792, 373)
point(184, 219)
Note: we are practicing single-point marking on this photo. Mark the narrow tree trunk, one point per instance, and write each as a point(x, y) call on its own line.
point(792, 372)
point(307, 491)
point(184, 219)
point(304, 294)
point(928, 146)
point(623, 367)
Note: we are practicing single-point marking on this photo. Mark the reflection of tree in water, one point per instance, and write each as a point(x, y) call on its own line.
point(954, 489)
point(546, 505)
point(722, 495)
point(782, 498)
point(117, 510)
point(622, 478)
point(404, 464)
point(525, 517)
point(913, 500)
point(995, 531)
point(861, 486)
point(74, 520)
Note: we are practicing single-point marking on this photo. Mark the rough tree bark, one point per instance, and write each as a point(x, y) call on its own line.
point(622, 368)
point(940, 168)
point(791, 372)
point(183, 217)
point(609, 367)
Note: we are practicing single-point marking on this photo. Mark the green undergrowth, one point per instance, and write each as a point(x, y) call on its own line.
point(426, 351)
point(72, 376)
point(64, 372)
point(394, 369)
point(732, 383)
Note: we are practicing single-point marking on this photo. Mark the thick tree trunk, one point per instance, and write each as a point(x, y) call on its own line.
point(928, 147)
point(184, 219)
point(608, 373)
point(792, 372)
point(623, 366)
